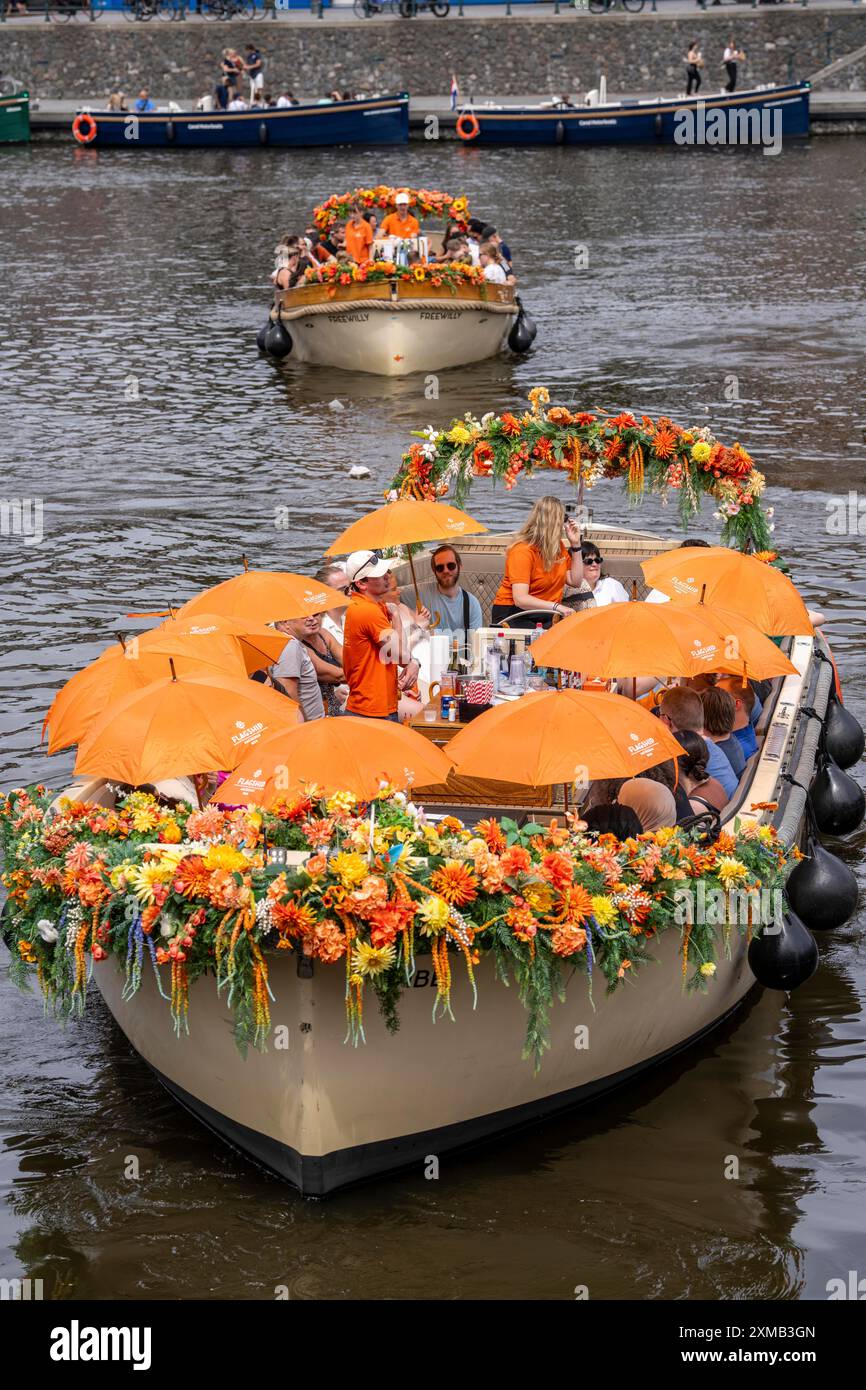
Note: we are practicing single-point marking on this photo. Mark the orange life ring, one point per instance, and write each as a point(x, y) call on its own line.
point(470, 130)
point(80, 119)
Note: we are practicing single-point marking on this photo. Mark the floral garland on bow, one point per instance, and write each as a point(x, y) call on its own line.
point(424, 202)
point(450, 274)
point(183, 892)
point(645, 454)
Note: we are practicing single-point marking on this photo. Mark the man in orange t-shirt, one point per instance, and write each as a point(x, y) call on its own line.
point(373, 648)
point(359, 235)
point(400, 222)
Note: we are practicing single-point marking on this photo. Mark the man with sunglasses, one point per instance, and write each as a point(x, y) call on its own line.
point(374, 643)
point(459, 612)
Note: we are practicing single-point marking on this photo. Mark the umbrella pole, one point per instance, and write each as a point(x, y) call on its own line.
point(634, 688)
point(372, 828)
point(414, 578)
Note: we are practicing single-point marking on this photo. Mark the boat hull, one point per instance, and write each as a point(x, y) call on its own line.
point(15, 118)
point(323, 1115)
point(687, 121)
point(383, 121)
point(394, 328)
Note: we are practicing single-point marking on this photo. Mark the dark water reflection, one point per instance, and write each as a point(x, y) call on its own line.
point(701, 269)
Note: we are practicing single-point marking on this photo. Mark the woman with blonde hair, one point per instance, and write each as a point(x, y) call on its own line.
point(537, 567)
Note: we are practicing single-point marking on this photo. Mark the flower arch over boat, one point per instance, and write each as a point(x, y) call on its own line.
point(424, 202)
point(646, 454)
point(191, 892)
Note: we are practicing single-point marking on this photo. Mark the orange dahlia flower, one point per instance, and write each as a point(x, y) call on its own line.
point(492, 834)
point(455, 882)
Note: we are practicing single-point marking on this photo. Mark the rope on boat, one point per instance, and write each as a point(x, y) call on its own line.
point(789, 825)
point(353, 306)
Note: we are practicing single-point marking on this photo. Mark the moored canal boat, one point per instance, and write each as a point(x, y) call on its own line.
point(364, 121)
point(756, 116)
point(15, 118)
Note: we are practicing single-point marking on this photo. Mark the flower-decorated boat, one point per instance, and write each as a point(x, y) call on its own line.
point(393, 319)
point(260, 961)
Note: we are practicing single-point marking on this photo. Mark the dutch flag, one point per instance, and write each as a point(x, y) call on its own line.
point(455, 93)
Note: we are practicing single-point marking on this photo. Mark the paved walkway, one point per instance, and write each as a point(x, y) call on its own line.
point(343, 13)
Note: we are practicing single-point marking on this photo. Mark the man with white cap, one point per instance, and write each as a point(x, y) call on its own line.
point(376, 656)
point(401, 222)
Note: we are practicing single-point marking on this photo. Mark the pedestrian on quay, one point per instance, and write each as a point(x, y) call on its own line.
point(254, 68)
point(694, 63)
point(732, 56)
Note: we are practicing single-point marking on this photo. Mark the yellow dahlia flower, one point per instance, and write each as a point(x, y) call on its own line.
point(434, 915)
point(603, 910)
point(349, 868)
point(731, 871)
point(708, 968)
point(371, 960)
point(701, 451)
point(225, 857)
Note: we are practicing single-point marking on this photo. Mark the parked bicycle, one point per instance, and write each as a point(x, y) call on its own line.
point(144, 10)
point(229, 9)
point(367, 9)
point(602, 6)
point(66, 11)
point(409, 8)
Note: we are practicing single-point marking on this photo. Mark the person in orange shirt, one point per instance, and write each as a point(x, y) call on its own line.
point(538, 565)
point(400, 222)
point(376, 657)
point(359, 235)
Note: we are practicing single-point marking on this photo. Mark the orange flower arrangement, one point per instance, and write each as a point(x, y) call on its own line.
point(455, 883)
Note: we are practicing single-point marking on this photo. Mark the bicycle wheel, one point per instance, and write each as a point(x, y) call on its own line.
point(130, 9)
point(360, 9)
point(166, 9)
point(633, 6)
point(407, 9)
point(246, 8)
point(441, 7)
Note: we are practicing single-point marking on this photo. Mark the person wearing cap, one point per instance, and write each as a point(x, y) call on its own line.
point(400, 222)
point(376, 656)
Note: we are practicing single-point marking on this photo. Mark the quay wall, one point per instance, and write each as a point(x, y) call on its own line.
point(499, 57)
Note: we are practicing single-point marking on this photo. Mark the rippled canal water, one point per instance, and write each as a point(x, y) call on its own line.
point(702, 267)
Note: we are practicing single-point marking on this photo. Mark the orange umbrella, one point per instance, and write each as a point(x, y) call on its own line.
point(405, 522)
point(740, 583)
point(563, 736)
point(129, 666)
point(659, 639)
point(261, 596)
point(175, 728)
point(344, 754)
point(260, 646)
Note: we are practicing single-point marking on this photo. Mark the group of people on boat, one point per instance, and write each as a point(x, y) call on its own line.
point(475, 243)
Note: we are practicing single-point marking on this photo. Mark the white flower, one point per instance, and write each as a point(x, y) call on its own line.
point(166, 929)
point(428, 450)
point(393, 495)
point(487, 418)
point(47, 930)
point(771, 511)
point(772, 526)
point(431, 434)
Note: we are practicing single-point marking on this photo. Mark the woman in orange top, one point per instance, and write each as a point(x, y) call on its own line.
point(400, 222)
point(538, 565)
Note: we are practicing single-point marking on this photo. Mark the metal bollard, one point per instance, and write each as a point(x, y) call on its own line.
point(556, 6)
point(654, 7)
point(508, 7)
point(181, 14)
point(460, 10)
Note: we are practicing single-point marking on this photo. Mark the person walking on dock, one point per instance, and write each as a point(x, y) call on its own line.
point(694, 63)
point(730, 60)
